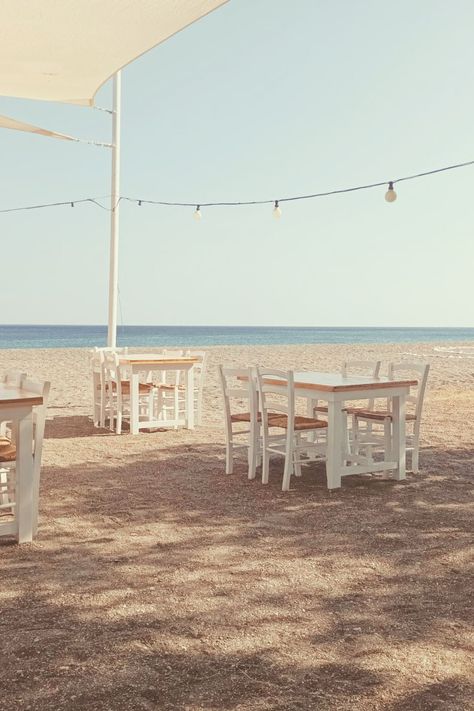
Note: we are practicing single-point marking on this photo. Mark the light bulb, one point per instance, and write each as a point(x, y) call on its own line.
point(277, 210)
point(390, 195)
point(197, 212)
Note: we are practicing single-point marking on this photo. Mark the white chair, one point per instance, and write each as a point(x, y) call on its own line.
point(366, 368)
point(240, 407)
point(199, 376)
point(117, 389)
point(172, 389)
point(277, 403)
point(384, 417)
point(8, 452)
point(99, 398)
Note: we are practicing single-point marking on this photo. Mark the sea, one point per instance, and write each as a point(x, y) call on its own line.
point(60, 336)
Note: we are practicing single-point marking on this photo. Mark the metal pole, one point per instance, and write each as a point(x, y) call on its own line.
point(114, 223)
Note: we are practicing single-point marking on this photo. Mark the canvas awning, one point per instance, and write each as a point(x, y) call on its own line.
point(6, 122)
point(65, 50)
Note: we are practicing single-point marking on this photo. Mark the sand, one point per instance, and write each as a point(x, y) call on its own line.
point(158, 582)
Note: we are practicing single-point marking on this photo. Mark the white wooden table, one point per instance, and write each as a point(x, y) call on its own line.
point(16, 406)
point(336, 390)
point(140, 362)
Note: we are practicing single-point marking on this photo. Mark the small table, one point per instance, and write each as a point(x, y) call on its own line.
point(137, 363)
point(16, 406)
point(336, 389)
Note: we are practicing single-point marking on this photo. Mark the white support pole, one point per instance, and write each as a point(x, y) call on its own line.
point(114, 223)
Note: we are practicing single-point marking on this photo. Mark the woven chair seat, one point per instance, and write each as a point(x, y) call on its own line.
point(244, 417)
point(348, 410)
point(301, 422)
point(7, 450)
point(169, 387)
point(380, 415)
point(125, 385)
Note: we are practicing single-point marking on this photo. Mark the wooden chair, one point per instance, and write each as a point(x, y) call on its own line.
point(99, 397)
point(117, 389)
point(277, 404)
point(240, 407)
point(172, 390)
point(384, 418)
point(8, 452)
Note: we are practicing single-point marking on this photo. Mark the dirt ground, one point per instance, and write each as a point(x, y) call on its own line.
point(158, 582)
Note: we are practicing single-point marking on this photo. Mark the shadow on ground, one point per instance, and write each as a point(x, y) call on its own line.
point(158, 582)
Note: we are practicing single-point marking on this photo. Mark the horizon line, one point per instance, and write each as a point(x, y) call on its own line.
point(99, 325)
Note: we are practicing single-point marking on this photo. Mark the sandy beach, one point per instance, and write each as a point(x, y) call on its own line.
point(158, 582)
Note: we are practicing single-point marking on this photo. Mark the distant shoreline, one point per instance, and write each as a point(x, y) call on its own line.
point(143, 337)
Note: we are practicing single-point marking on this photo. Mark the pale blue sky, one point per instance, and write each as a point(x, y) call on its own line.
point(261, 99)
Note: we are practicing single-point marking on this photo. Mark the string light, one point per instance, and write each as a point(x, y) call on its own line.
point(390, 195)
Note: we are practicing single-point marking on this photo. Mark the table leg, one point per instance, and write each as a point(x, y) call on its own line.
point(190, 398)
point(399, 435)
point(334, 447)
point(134, 402)
point(24, 478)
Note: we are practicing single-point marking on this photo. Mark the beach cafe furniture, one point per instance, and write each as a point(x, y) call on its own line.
point(23, 408)
point(384, 418)
point(172, 388)
point(118, 397)
point(277, 392)
point(99, 398)
point(336, 389)
point(239, 394)
point(136, 364)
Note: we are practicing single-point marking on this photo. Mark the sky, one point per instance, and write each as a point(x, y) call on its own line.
point(262, 99)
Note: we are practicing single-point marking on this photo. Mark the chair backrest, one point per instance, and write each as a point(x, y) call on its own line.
point(14, 377)
point(418, 371)
point(277, 393)
point(39, 416)
point(238, 391)
point(199, 368)
point(97, 355)
point(112, 372)
point(371, 368)
point(110, 349)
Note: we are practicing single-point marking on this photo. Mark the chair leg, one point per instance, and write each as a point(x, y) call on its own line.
point(347, 442)
point(297, 460)
point(252, 453)
point(229, 457)
point(415, 452)
point(265, 458)
point(355, 434)
point(289, 464)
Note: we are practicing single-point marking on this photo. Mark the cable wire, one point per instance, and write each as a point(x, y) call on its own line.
point(239, 203)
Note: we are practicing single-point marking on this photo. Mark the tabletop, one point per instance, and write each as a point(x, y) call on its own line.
point(13, 395)
point(152, 358)
point(336, 382)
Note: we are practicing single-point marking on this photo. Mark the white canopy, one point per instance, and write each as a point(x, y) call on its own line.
point(6, 122)
point(64, 50)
